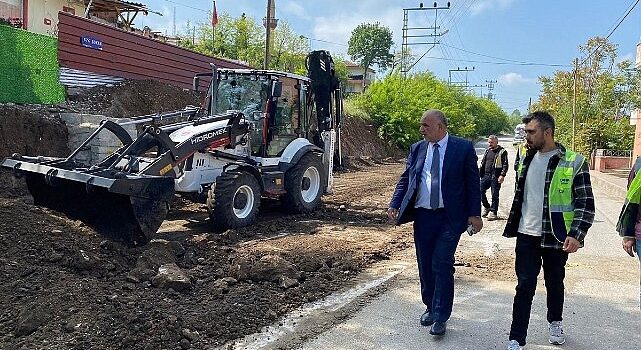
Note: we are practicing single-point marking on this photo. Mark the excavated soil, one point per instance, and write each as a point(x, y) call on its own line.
point(63, 286)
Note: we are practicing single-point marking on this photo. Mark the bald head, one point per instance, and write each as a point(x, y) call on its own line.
point(436, 114)
point(433, 125)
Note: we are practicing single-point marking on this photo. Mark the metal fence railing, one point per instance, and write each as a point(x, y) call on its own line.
point(613, 153)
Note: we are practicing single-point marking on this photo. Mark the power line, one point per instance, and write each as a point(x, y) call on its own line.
point(488, 56)
point(612, 31)
point(191, 7)
point(329, 42)
point(503, 63)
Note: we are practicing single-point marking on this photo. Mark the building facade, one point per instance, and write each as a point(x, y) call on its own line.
point(358, 81)
point(41, 16)
point(38, 16)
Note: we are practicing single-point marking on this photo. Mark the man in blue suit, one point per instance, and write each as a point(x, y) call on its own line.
point(440, 192)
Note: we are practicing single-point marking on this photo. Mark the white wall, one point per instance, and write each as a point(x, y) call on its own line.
point(10, 8)
point(39, 10)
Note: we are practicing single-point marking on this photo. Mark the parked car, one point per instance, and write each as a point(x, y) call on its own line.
point(519, 134)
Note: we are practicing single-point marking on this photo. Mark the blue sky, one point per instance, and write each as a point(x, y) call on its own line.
point(488, 35)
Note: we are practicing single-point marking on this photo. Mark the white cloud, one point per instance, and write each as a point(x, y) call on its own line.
point(513, 79)
point(338, 28)
point(629, 57)
point(481, 6)
point(295, 9)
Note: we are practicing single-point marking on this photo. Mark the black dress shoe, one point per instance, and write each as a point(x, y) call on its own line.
point(427, 319)
point(438, 328)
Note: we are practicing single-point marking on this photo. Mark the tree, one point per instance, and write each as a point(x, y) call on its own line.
point(240, 38)
point(369, 45)
point(342, 73)
point(515, 118)
point(396, 105)
point(606, 93)
point(289, 50)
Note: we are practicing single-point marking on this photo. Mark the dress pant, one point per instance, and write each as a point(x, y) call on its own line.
point(435, 247)
point(492, 183)
point(529, 258)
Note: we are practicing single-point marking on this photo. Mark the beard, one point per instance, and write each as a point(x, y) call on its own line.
point(534, 145)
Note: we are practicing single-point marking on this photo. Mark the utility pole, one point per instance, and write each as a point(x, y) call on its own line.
point(270, 23)
point(576, 68)
point(529, 106)
point(405, 51)
point(464, 84)
point(173, 33)
point(490, 88)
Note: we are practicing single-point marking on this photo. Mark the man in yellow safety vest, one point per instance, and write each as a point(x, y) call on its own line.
point(553, 209)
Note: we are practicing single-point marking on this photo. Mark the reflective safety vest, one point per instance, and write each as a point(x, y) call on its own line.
point(522, 152)
point(560, 200)
point(628, 216)
point(498, 163)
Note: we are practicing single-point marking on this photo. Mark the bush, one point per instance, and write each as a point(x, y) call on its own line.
point(397, 104)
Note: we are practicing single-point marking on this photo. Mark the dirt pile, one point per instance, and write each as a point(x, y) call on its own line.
point(132, 98)
point(64, 286)
point(31, 130)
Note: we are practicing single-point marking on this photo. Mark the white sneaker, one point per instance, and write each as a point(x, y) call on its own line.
point(513, 345)
point(556, 333)
point(485, 212)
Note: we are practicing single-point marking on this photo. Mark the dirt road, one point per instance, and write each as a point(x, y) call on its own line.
point(63, 286)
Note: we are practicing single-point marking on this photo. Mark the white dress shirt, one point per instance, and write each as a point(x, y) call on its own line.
point(424, 191)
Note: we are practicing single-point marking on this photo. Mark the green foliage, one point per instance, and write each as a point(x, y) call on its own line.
point(370, 44)
point(397, 106)
point(289, 50)
point(514, 119)
point(341, 70)
point(29, 67)
point(605, 96)
point(352, 108)
point(243, 39)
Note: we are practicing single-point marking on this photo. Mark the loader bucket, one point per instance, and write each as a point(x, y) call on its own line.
point(121, 207)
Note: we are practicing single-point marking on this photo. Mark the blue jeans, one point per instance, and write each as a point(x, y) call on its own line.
point(491, 183)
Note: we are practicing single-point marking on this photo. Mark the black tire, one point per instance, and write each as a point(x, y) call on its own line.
point(304, 184)
point(234, 200)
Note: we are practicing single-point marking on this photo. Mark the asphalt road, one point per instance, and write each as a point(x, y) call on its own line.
point(601, 306)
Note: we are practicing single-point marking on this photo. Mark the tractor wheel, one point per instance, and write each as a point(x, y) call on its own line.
point(234, 200)
point(304, 184)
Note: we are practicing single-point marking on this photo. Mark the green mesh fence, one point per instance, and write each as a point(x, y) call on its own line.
point(28, 67)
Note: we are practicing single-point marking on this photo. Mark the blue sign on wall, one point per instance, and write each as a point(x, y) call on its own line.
point(91, 43)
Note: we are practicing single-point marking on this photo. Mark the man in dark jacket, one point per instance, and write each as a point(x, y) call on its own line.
point(439, 192)
point(492, 172)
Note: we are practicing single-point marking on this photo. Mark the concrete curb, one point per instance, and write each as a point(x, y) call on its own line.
point(615, 187)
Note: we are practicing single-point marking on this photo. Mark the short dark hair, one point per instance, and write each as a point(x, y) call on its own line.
point(545, 119)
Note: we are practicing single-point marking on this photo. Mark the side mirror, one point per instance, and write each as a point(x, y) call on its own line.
point(277, 89)
point(196, 84)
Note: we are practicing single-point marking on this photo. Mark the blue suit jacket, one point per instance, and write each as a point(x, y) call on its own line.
point(459, 185)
